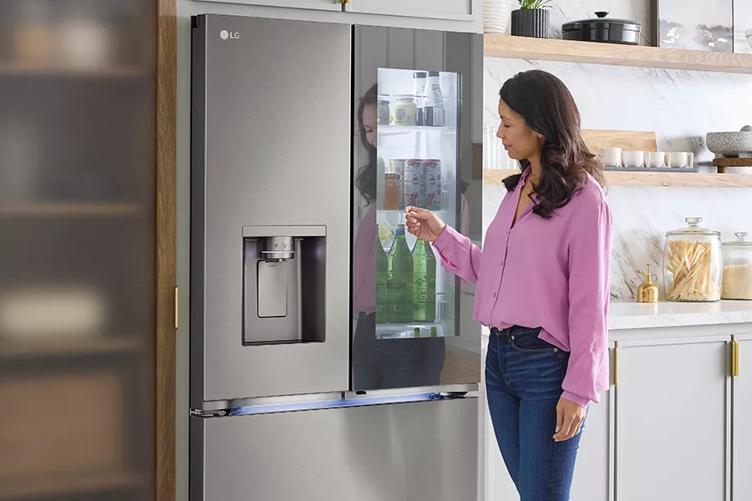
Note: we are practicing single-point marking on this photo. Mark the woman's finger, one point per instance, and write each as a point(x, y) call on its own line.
point(559, 418)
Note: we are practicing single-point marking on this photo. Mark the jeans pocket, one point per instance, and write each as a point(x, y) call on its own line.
point(531, 343)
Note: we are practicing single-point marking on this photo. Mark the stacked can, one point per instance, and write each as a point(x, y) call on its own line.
point(413, 187)
point(431, 184)
point(422, 183)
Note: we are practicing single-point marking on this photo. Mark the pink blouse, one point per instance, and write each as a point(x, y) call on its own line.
point(549, 273)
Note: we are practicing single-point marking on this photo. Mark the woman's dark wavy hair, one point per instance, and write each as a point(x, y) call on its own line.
point(366, 180)
point(549, 108)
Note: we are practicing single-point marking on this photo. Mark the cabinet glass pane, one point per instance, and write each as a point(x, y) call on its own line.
point(77, 264)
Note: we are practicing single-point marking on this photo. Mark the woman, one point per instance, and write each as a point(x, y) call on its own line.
point(542, 285)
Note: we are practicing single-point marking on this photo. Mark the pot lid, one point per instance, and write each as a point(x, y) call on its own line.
point(693, 228)
point(601, 22)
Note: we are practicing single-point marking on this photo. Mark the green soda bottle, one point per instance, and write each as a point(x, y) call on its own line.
point(382, 294)
point(424, 283)
point(400, 279)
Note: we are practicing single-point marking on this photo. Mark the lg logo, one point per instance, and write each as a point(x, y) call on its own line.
point(232, 35)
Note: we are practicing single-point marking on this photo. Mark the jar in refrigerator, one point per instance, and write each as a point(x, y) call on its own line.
point(431, 184)
point(393, 185)
point(382, 117)
point(419, 92)
point(692, 263)
point(737, 268)
point(434, 111)
point(403, 111)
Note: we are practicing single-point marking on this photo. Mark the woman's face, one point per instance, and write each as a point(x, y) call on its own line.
point(369, 123)
point(520, 141)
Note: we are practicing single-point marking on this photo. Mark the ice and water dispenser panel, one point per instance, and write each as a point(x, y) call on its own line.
point(283, 284)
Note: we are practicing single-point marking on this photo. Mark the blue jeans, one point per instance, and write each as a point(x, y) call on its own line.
point(523, 386)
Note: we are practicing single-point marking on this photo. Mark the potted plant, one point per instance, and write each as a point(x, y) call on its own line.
point(531, 19)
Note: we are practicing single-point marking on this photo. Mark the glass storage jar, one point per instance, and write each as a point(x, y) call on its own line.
point(692, 263)
point(737, 268)
point(403, 111)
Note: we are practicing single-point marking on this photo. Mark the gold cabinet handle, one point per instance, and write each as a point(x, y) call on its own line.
point(344, 2)
point(735, 358)
point(615, 366)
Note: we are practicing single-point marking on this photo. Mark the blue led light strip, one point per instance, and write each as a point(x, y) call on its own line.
point(332, 404)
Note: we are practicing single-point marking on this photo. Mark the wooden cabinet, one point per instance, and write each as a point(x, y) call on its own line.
point(87, 209)
point(741, 431)
point(671, 419)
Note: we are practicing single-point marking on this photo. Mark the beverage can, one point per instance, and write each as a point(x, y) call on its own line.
point(431, 188)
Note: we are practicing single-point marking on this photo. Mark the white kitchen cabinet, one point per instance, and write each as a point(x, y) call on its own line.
point(672, 417)
point(333, 5)
point(742, 421)
point(593, 472)
point(462, 10)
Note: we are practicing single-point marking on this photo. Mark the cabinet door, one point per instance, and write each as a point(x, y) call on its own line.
point(335, 5)
point(461, 10)
point(742, 420)
point(593, 468)
point(78, 215)
point(671, 419)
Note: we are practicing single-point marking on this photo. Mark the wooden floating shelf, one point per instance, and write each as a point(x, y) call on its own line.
point(614, 54)
point(666, 179)
point(66, 209)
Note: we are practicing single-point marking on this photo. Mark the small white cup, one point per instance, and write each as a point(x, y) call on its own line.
point(678, 159)
point(610, 157)
point(655, 159)
point(633, 158)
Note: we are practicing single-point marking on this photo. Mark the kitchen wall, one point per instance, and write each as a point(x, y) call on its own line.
point(681, 106)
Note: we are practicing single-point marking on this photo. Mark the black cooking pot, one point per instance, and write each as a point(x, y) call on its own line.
point(601, 29)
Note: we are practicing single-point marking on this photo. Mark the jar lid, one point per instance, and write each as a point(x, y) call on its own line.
point(741, 240)
point(694, 228)
point(601, 22)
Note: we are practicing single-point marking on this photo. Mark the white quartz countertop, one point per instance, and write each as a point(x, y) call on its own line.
point(632, 315)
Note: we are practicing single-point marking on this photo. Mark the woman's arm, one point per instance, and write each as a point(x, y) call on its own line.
point(459, 254)
point(589, 270)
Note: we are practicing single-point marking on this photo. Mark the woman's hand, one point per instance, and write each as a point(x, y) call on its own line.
point(424, 224)
point(569, 417)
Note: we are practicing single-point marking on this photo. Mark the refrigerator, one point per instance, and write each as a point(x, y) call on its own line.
point(332, 357)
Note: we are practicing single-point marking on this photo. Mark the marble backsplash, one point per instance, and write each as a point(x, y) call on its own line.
point(682, 106)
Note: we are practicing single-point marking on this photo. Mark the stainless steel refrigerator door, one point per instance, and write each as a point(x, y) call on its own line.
point(425, 451)
point(270, 149)
point(402, 159)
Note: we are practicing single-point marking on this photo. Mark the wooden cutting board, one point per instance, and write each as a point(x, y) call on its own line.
point(627, 140)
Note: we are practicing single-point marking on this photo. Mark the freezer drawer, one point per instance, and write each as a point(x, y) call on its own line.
point(423, 451)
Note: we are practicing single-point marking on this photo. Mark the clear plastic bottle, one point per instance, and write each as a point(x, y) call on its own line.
point(434, 107)
point(419, 91)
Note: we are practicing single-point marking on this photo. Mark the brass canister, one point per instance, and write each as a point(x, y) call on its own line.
point(647, 292)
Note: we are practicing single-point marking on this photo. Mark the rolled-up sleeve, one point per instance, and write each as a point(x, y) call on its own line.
point(589, 270)
point(459, 254)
